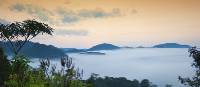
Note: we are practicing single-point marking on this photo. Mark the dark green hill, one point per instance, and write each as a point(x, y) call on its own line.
point(104, 46)
point(171, 45)
point(36, 50)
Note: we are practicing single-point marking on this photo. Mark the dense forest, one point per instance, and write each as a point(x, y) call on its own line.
point(117, 82)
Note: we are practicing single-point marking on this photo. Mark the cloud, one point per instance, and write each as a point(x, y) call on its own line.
point(69, 19)
point(63, 15)
point(69, 16)
point(98, 13)
point(92, 13)
point(71, 32)
point(17, 7)
point(36, 11)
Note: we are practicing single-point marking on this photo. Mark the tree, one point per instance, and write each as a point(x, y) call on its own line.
point(145, 83)
point(68, 76)
point(19, 72)
point(136, 83)
point(91, 80)
point(22, 75)
point(4, 67)
point(195, 80)
point(168, 85)
point(18, 33)
point(69, 73)
point(96, 81)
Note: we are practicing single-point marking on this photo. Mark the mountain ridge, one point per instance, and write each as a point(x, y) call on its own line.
point(35, 50)
point(108, 46)
point(103, 46)
point(171, 45)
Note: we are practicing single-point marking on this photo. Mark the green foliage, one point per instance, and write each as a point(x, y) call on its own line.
point(136, 83)
point(22, 75)
point(4, 67)
point(145, 83)
point(96, 81)
point(195, 80)
point(68, 76)
point(19, 75)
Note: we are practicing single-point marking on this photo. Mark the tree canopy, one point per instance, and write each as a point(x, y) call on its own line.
point(97, 81)
point(195, 80)
point(18, 33)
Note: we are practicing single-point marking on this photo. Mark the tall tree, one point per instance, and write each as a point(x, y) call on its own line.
point(195, 80)
point(145, 83)
point(136, 83)
point(18, 33)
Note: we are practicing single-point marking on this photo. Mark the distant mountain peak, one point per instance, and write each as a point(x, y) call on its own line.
point(104, 46)
point(171, 45)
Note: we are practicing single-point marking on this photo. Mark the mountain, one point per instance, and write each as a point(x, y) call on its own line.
point(104, 46)
point(171, 45)
point(36, 50)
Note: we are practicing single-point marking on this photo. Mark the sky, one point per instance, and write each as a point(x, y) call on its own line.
point(84, 23)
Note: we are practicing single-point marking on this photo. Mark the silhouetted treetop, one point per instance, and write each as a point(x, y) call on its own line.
point(33, 28)
point(18, 33)
point(195, 80)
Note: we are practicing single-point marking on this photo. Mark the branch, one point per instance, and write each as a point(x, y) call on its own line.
point(13, 47)
point(23, 43)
